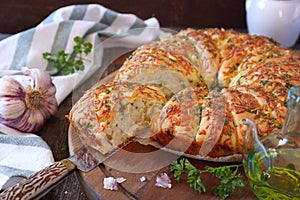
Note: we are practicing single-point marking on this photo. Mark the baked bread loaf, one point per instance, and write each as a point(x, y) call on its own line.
point(192, 90)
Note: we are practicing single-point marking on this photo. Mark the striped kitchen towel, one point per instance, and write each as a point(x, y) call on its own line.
point(104, 28)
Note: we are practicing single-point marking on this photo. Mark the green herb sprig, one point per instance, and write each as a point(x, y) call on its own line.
point(228, 176)
point(67, 63)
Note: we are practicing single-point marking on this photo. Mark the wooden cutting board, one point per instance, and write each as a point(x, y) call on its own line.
point(137, 161)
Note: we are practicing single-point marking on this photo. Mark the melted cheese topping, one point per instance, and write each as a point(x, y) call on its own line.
point(193, 90)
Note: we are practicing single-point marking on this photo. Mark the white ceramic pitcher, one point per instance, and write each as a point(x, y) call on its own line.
point(278, 19)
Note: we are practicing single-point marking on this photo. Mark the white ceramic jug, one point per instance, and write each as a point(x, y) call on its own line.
point(278, 19)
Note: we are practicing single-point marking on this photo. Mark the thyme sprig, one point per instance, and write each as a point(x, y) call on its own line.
point(67, 63)
point(228, 176)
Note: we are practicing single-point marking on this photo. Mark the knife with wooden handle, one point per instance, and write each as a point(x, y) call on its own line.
point(38, 184)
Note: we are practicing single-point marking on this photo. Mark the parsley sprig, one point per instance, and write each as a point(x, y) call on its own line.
point(228, 176)
point(67, 63)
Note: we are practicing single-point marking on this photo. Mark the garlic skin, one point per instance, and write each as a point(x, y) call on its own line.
point(26, 101)
point(163, 181)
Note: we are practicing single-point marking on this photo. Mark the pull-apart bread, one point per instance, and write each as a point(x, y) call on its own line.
point(191, 91)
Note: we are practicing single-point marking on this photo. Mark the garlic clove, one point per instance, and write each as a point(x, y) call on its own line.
point(38, 78)
point(31, 120)
point(10, 87)
point(11, 108)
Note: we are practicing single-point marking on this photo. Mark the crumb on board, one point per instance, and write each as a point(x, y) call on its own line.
point(143, 179)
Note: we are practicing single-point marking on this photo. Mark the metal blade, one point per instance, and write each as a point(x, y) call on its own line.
point(87, 158)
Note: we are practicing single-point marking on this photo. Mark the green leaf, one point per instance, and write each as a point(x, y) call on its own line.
point(78, 40)
point(87, 47)
point(194, 181)
point(78, 65)
point(77, 49)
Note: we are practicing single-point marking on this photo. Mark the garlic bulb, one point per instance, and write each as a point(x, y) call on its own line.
point(26, 101)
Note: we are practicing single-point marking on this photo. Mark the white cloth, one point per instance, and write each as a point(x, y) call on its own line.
point(104, 28)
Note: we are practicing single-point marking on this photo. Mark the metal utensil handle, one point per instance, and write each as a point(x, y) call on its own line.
point(40, 182)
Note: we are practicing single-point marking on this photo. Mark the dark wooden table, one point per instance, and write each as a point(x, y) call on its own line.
point(55, 133)
point(17, 15)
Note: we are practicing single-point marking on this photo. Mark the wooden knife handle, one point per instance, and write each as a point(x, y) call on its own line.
point(40, 182)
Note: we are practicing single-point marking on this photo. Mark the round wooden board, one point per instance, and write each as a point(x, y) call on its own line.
point(136, 161)
point(139, 160)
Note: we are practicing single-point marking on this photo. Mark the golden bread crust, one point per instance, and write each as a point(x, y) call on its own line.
point(199, 85)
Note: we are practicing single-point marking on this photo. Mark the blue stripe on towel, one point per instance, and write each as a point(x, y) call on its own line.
point(61, 39)
point(78, 12)
point(97, 27)
point(62, 36)
point(22, 49)
point(24, 141)
point(11, 171)
point(109, 17)
point(139, 25)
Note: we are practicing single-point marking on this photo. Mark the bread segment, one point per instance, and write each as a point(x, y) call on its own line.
point(162, 64)
point(176, 125)
point(109, 115)
point(207, 53)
